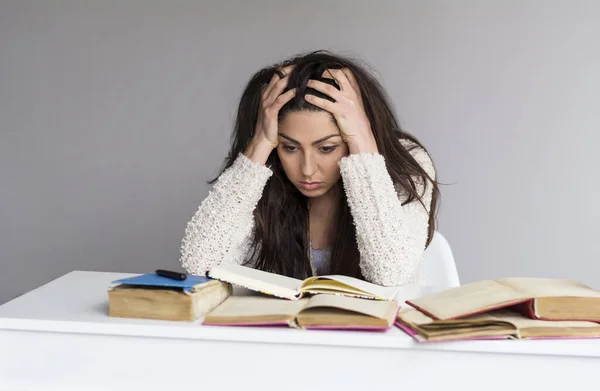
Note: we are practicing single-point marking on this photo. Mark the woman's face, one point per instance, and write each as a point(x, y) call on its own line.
point(310, 147)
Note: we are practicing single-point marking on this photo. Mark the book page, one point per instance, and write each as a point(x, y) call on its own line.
point(376, 309)
point(257, 306)
point(420, 319)
point(345, 284)
point(414, 317)
point(522, 322)
point(549, 287)
point(257, 280)
point(467, 299)
point(475, 326)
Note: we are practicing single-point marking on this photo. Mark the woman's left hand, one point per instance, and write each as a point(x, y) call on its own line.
point(348, 110)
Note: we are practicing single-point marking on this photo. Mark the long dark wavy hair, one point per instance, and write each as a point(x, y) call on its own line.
point(281, 240)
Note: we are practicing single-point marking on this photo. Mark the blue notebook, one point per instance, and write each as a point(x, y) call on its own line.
point(153, 279)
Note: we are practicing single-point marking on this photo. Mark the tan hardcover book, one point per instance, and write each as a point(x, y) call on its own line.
point(166, 303)
point(294, 289)
point(317, 312)
point(499, 324)
point(537, 298)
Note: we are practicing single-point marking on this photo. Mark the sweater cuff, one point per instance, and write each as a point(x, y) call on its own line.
point(361, 163)
point(256, 170)
point(244, 181)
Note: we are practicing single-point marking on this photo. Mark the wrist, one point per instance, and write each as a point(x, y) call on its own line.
point(259, 151)
point(366, 145)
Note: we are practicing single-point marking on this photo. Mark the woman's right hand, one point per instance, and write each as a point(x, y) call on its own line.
point(266, 137)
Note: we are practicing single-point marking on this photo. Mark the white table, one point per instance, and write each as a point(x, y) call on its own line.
point(59, 337)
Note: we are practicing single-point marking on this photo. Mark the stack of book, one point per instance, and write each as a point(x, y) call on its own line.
point(155, 296)
point(511, 308)
point(323, 302)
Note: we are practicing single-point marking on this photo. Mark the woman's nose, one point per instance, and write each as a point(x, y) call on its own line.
point(309, 166)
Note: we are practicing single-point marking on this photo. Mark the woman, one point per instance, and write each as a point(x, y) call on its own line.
point(319, 180)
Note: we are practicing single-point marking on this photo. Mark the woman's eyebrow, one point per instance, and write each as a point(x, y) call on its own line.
point(314, 142)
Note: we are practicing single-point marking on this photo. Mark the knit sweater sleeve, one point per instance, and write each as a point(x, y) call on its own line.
point(222, 229)
point(391, 237)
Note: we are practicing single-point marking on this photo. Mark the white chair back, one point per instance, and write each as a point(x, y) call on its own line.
point(438, 266)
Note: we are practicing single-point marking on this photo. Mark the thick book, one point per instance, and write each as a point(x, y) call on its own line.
point(498, 324)
point(294, 289)
point(150, 296)
point(316, 312)
point(536, 298)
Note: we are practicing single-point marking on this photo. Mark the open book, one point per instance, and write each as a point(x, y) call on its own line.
point(294, 289)
point(537, 298)
point(499, 324)
point(317, 312)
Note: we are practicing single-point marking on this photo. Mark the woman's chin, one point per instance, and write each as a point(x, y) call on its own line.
point(313, 193)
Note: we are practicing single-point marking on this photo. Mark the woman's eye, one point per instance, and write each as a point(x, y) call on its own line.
point(328, 149)
point(289, 148)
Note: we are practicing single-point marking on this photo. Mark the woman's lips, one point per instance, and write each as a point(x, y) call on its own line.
point(311, 185)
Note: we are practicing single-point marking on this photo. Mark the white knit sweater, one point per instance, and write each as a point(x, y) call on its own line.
point(391, 237)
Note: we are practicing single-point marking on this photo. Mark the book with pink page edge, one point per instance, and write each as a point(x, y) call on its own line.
point(319, 312)
point(495, 325)
point(420, 339)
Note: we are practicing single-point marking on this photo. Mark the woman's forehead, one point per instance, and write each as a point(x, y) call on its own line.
point(308, 126)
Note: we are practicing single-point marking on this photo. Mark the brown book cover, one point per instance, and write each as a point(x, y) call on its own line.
point(536, 298)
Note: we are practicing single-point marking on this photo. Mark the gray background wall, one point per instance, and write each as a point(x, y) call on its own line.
point(114, 113)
